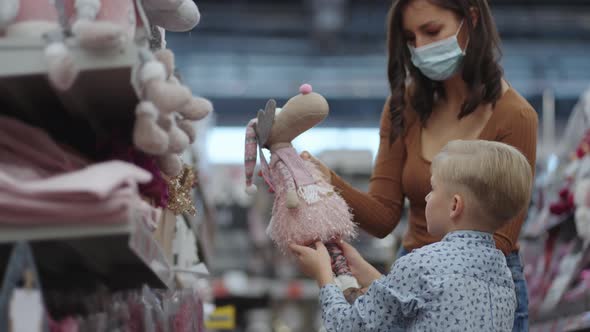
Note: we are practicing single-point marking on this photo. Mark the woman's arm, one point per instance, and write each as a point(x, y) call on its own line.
point(521, 133)
point(379, 210)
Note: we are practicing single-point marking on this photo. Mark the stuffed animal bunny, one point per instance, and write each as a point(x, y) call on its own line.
point(306, 207)
point(164, 117)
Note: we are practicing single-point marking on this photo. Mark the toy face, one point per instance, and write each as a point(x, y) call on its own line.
point(289, 123)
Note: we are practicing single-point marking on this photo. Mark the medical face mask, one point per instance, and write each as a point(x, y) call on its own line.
point(439, 60)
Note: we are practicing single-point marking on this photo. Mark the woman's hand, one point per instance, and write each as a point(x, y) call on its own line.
point(364, 272)
point(326, 172)
point(315, 263)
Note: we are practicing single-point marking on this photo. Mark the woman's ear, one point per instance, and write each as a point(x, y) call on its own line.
point(474, 12)
point(457, 207)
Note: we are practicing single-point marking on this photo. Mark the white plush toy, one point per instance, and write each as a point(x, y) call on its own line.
point(100, 24)
point(173, 15)
point(163, 125)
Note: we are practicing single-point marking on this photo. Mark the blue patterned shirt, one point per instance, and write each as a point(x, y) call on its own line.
point(461, 283)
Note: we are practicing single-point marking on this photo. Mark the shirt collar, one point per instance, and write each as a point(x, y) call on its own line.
point(484, 238)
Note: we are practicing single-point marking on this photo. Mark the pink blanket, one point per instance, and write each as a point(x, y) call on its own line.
point(41, 182)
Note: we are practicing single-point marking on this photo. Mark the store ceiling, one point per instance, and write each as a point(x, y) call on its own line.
point(244, 52)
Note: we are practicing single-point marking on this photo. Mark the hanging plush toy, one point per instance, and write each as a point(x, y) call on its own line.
point(40, 19)
point(102, 24)
point(165, 116)
point(172, 15)
point(306, 207)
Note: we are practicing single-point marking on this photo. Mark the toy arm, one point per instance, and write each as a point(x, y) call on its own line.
point(287, 178)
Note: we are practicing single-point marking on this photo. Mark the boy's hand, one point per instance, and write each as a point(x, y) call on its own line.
point(315, 263)
point(364, 272)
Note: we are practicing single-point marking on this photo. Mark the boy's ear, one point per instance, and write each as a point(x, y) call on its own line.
point(457, 207)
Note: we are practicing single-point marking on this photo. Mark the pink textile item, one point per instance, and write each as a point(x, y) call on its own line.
point(34, 18)
point(41, 182)
point(20, 210)
point(325, 217)
point(97, 181)
point(33, 151)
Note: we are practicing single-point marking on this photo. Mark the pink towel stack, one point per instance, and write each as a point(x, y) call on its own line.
point(43, 183)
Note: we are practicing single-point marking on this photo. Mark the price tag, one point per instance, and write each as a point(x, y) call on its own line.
point(26, 310)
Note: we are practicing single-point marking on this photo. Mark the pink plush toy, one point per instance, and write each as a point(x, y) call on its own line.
point(306, 207)
point(28, 18)
point(96, 25)
point(36, 19)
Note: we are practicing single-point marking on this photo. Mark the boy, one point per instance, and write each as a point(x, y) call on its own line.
point(461, 283)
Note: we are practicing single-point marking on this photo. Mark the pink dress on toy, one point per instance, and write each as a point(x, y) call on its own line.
point(325, 216)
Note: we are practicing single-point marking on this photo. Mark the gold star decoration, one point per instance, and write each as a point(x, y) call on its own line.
point(180, 190)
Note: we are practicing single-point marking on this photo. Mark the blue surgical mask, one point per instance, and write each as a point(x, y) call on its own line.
point(439, 60)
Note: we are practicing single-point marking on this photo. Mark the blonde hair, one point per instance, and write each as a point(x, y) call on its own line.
point(497, 175)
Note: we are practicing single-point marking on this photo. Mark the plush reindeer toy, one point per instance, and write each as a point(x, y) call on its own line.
point(306, 207)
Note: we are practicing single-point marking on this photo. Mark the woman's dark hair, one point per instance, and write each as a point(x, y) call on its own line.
point(481, 71)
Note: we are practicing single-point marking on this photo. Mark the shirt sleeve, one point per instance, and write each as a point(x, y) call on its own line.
point(378, 212)
point(389, 302)
point(521, 134)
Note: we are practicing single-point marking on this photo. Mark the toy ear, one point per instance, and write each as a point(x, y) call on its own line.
point(266, 119)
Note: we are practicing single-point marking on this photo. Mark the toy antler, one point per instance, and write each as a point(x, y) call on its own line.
point(266, 119)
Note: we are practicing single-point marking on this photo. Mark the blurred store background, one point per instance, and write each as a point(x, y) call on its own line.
point(246, 51)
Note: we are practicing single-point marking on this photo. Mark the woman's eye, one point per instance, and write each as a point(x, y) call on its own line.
point(432, 33)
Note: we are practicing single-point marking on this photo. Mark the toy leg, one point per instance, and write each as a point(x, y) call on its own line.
point(344, 278)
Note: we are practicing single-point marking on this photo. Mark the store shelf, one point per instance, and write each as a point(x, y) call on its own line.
point(120, 256)
point(39, 233)
point(275, 289)
point(21, 57)
point(101, 98)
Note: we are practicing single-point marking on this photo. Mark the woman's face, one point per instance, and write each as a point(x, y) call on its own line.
point(424, 23)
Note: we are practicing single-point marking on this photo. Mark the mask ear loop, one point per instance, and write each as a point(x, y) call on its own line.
point(457, 37)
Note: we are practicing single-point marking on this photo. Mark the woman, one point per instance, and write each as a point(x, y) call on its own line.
point(446, 84)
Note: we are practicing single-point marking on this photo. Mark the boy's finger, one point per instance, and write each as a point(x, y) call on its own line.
point(295, 253)
point(299, 250)
point(320, 245)
point(346, 246)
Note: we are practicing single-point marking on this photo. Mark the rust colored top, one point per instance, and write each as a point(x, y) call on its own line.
point(401, 171)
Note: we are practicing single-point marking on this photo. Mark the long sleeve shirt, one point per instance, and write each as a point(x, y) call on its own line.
point(400, 171)
point(461, 283)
